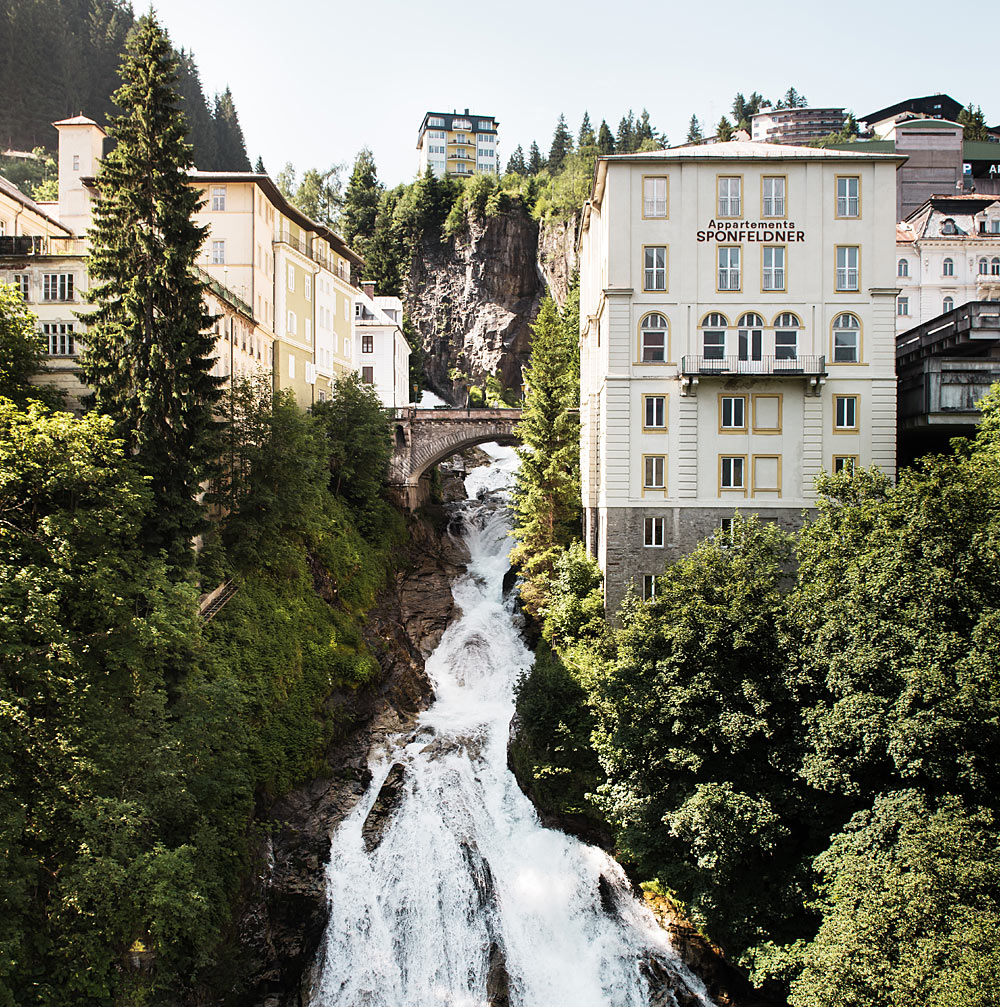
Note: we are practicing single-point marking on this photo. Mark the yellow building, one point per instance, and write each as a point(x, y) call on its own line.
point(458, 144)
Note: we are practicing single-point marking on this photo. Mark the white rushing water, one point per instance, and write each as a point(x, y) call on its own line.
point(464, 887)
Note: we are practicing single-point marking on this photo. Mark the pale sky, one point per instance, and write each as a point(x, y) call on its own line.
point(316, 80)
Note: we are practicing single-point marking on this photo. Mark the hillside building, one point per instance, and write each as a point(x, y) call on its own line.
point(737, 338)
point(947, 254)
point(458, 144)
point(381, 349)
point(795, 125)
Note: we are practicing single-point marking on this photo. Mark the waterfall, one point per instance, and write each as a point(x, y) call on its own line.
point(445, 891)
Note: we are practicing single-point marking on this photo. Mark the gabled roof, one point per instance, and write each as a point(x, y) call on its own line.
point(937, 105)
point(8, 188)
point(80, 120)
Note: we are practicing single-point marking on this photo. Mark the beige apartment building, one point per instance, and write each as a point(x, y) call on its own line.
point(737, 339)
point(458, 144)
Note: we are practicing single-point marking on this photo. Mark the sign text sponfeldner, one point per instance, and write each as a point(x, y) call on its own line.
point(751, 230)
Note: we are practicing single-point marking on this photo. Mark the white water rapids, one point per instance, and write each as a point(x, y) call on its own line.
point(467, 901)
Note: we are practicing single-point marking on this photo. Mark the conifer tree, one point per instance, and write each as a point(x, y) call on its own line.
point(586, 137)
point(149, 353)
point(535, 162)
point(792, 99)
point(360, 209)
point(562, 144)
point(724, 131)
point(695, 133)
point(201, 124)
point(516, 164)
point(973, 123)
point(231, 149)
point(605, 141)
point(625, 138)
point(547, 490)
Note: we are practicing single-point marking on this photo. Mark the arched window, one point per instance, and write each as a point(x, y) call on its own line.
point(903, 268)
point(786, 336)
point(948, 267)
point(948, 303)
point(846, 338)
point(984, 266)
point(714, 325)
point(654, 335)
point(750, 336)
point(995, 266)
point(948, 227)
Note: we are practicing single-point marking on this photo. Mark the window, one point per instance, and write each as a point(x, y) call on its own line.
point(653, 472)
point(308, 287)
point(786, 336)
point(291, 277)
point(848, 195)
point(652, 536)
point(654, 196)
point(729, 268)
point(23, 283)
point(846, 339)
point(995, 266)
point(309, 330)
point(845, 412)
point(729, 195)
point(218, 253)
point(772, 203)
point(773, 263)
point(903, 267)
point(654, 412)
point(648, 586)
point(948, 227)
point(57, 286)
point(732, 412)
point(847, 267)
point(60, 339)
point(368, 375)
point(487, 138)
point(654, 333)
point(714, 337)
point(485, 124)
point(76, 162)
point(948, 267)
point(902, 306)
point(292, 326)
point(218, 197)
point(368, 344)
point(844, 463)
point(750, 336)
point(435, 120)
point(654, 275)
point(947, 304)
point(984, 266)
point(732, 474)
point(291, 365)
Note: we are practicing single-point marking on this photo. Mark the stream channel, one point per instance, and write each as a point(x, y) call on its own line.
point(459, 897)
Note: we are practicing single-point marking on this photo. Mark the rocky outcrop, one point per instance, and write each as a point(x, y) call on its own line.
point(472, 299)
point(557, 257)
point(284, 908)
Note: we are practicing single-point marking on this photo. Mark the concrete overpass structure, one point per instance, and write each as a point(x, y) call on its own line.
point(424, 437)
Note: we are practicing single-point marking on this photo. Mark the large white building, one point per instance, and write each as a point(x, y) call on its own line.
point(737, 339)
point(947, 254)
point(458, 144)
point(381, 349)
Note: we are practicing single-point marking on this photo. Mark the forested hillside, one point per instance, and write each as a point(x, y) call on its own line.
point(60, 57)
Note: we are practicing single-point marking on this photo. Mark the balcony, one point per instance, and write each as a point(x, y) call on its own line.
point(460, 157)
point(771, 367)
point(19, 246)
point(299, 244)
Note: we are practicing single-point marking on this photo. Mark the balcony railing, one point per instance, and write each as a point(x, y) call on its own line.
point(21, 245)
point(297, 243)
point(770, 366)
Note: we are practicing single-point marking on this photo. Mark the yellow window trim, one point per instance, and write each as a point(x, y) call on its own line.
point(731, 490)
point(639, 362)
point(837, 216)
point(854, 459)
point(768, 395)
point(666, 270)
point(836, 289)
point(775, 290)
point(861, 342)
point(769, 216)
point(666, 414)
point(857, 414)
point(743, 197)
point(755, 489)
point(642, 198)
point(658, 490)
point(718, 289)
point(733, 430)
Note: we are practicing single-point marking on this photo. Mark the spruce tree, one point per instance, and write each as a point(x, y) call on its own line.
point(562, 144)
point(516, 164)
point(724, 131)
point(149, 352)
point(547, 490)
point(605, 141)
point(695, 133)
point(231, 149)
point(973, 123)
point(201, 125)
point(625, 139)
point(535, 162)
point(585, 138)
point(361, 204)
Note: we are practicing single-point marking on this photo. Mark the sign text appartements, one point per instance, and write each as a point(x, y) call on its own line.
point(735, 231)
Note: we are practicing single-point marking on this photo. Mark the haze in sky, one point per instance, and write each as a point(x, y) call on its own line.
point(315, 81)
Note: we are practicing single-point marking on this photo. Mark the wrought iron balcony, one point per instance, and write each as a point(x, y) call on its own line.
point(777, 367)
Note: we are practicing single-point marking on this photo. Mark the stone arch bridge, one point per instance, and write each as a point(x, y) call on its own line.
point(424, 437)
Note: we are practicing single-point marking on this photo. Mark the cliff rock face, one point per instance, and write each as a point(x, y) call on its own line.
point(284, 908)
point(557, 255)
point(472, 299)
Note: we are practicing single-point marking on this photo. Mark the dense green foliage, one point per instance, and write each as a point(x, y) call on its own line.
point(546, 498)
point(973, 123)
point(805, 754)
point(22, 355)
point(149, 348)
point(61, 57)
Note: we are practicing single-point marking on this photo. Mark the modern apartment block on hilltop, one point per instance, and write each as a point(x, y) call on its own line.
point(458, 144)
point(737, 338)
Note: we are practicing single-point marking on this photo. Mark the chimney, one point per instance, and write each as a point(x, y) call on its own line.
point(466, 111)
point(368, 287)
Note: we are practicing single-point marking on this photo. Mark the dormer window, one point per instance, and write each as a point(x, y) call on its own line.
point(948, 227)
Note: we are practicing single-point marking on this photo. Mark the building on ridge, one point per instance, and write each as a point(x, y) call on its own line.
point(458, 144)
point(737, 338)
point(795, 125)
point(381, 349)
